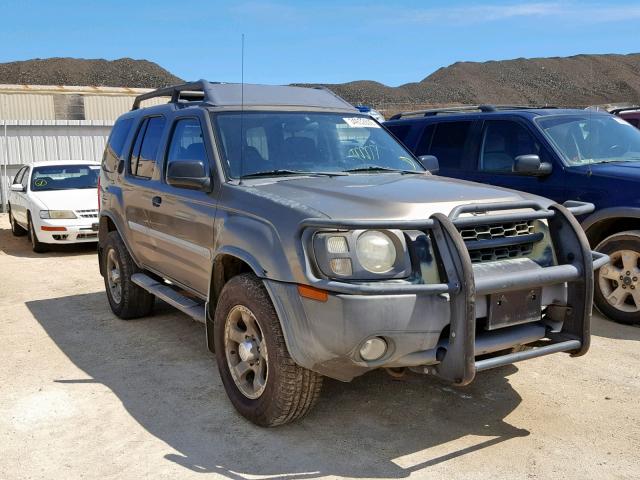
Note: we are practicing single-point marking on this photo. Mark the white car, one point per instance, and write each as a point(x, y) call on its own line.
point(55, 203)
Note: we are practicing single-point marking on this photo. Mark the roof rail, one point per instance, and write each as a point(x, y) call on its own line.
point(175, 90)
point(616, 111)
point(464, 108)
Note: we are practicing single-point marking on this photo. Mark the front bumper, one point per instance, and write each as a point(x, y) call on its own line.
point(76, 230)
point(433, 327)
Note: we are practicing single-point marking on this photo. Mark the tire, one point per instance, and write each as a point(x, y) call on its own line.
point(289, 390)
point(126, 299)
point(36, 245)
point(16, 229)
point(617, 285)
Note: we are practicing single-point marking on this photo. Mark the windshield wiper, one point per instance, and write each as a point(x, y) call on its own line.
point(284, 172)
point(377, 168)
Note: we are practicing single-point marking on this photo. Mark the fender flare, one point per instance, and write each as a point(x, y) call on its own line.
point(119, 228)
point(609, 213)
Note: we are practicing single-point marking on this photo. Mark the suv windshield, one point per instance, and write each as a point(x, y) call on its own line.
point(585, 139)
point(64, 177)
point(291, 143)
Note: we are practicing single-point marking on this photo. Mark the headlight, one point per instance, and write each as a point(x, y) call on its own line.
point(362, 254)
point(57, 214)
point(376, 252)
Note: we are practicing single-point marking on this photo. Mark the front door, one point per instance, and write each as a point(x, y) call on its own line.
point(182, 221)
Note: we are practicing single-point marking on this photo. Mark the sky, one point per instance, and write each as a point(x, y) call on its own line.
point(324, 41)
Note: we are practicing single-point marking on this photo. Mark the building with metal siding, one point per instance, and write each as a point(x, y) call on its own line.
point(48, 122)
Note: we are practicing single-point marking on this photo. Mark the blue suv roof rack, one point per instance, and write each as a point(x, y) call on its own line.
point(463, 109)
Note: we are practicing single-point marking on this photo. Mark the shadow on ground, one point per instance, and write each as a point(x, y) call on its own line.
point(375, 426)
point(21, 247)
point(603, 327)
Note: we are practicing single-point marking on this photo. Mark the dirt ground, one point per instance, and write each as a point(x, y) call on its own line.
point(85, 395)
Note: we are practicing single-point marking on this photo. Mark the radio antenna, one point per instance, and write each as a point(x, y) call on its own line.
point(241, 109)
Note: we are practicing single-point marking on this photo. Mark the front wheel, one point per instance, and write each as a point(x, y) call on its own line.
point(617, 286)
point(36, 245)
point(261, 379)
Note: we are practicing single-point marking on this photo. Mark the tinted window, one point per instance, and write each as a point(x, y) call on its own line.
point(448, 143)
point(424, 145)
point(115, 145)
point(187, 142)
point(502, 142)
point(64, 177)
point(400, 131)
point(145, 150)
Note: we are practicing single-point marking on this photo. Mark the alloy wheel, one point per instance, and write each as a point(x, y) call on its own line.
point(619, 281)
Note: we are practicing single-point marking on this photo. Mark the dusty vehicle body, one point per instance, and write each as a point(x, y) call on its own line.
point(476, 272)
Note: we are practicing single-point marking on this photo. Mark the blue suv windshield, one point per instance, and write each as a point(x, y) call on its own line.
point(586, 139)
point(273, 143)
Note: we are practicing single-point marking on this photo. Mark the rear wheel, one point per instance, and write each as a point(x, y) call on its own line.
point(127, 300)
point(617, 286)
point(16, 229)
point(36, 245)
point(261, 379)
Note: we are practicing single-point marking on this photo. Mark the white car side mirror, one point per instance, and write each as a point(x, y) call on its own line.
point(17, 187)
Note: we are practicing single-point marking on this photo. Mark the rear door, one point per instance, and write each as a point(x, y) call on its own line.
point(182, 222)
point(139, 187)
point(452, 143)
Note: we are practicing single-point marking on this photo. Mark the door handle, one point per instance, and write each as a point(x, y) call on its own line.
point(156, 201)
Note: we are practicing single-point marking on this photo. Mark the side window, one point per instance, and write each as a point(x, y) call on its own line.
point(145, 150)
point(19, 175)
point(115, 145)
point(502, 142)
point(424, 145)
point(448, 143)
point(187, 142)
point(25, 178)
point(400, 131)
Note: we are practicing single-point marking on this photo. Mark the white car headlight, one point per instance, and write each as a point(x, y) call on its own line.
point(376, 251)
point(57, 214)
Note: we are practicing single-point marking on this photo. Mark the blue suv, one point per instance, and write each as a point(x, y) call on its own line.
point(561, 154)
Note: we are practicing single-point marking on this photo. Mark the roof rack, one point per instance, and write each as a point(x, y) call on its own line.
point(199, 90)
point(464, 108)
point(616, 111)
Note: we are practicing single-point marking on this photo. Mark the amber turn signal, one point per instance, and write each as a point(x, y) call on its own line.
point(53, 229)
point(313, 293)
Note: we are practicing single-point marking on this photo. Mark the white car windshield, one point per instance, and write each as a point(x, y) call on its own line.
point(587, 139)
point(64, 177)
point(291, 143)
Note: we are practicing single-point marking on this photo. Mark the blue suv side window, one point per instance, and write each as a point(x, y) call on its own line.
point(447, 143)
point(502, 142)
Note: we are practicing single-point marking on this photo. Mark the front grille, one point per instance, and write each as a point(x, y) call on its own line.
point(488, 243)
point(82, 236)
point(87, 213)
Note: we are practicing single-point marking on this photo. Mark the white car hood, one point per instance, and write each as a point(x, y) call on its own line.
point(73, 199)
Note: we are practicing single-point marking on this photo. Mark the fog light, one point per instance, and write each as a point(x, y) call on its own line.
point(373, 349)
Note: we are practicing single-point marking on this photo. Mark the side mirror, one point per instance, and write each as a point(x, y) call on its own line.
point(17, 187)
point(531, 165)
point(191, 174)
point(430, 162)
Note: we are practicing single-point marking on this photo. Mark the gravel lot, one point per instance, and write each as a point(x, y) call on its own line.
point(85, 395)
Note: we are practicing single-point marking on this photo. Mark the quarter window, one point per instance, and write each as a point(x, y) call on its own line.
point(502, 142)
point(115, 145)
point(187, 142)
point(19, 175)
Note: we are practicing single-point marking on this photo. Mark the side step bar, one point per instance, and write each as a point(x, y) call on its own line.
point(195, 310)
point(510, 358)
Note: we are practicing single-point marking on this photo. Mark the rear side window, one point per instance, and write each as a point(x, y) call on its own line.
point(187, 142)
point(400, 131)
point(424, 144)
point(145, 149)
point(448, 143)
point(115, 145)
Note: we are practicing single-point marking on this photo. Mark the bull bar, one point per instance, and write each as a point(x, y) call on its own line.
point(457, 363)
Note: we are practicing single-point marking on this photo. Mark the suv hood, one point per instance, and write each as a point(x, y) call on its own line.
point(386, 196)
point(623, 170)
point(72, 199)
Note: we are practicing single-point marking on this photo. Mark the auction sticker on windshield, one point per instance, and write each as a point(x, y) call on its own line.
point(360, 122)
